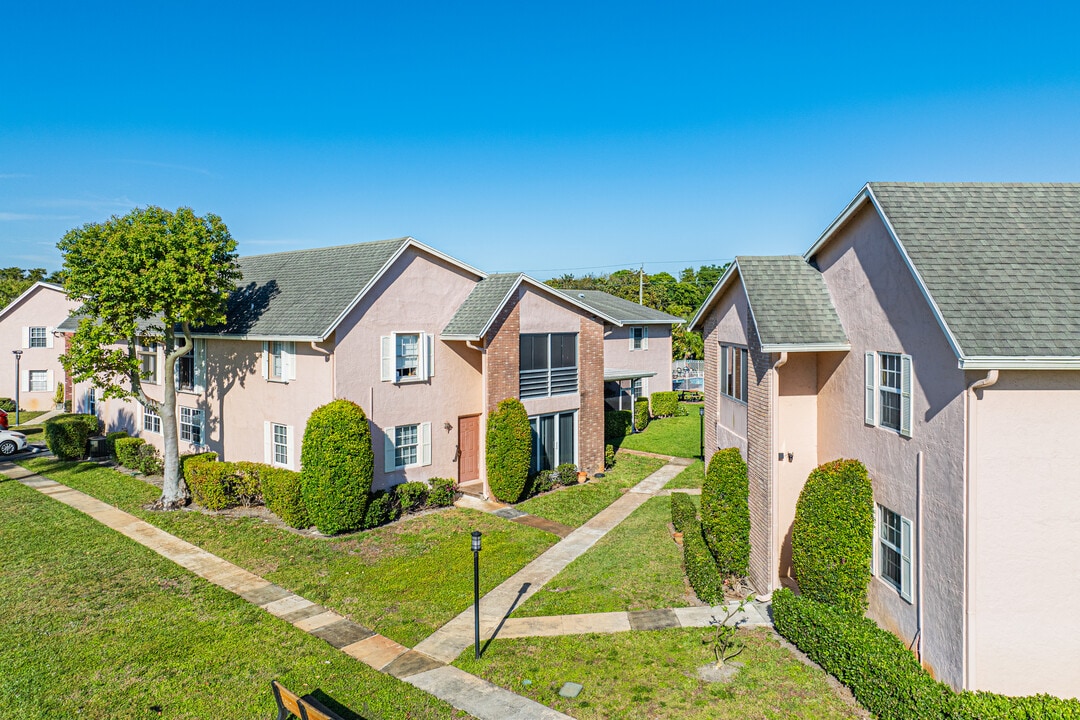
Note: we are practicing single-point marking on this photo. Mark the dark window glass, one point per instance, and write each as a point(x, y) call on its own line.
point(563, 350)
point(566, 438)
point(534, 352)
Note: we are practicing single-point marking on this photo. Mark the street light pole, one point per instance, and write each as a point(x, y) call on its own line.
point(18, 382)
point(701, 430)
point(476, 589)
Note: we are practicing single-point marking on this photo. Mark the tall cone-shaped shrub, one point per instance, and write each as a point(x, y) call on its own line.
point(509, 450)
point(725, 512)
point(338, 464)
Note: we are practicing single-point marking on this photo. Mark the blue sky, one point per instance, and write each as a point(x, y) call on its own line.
point(545, 137)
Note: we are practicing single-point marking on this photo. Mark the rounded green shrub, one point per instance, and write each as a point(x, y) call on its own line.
point(209, 482)
point(725, 512)
point(442, 493)
point(617, 424)
point(127, 452)
point(150, 460)
point(509, 450)
point(281, 493)
point(665, 404)
point(411, 495)
point(337, 467)
point(609, 456)
point(111, 438)
point(66, 435)
point(567, 474)
point(382, 509)
point(832, 539)
point(641, 414)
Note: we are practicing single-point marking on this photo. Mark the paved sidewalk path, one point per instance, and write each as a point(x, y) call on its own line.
point(754, 615)
point(462, 690)
point(446, 643)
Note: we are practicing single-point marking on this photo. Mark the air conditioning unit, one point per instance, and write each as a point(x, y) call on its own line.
point(98, 447)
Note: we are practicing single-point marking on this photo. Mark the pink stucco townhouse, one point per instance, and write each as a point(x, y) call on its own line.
point(637, 347)
point(28, 324)
point(426, 344)
point(932, 332)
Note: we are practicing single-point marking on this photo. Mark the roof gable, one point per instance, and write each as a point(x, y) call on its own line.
point(790, 305)
point(39, 285)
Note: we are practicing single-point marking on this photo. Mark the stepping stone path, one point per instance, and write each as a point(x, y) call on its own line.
point(427, 666)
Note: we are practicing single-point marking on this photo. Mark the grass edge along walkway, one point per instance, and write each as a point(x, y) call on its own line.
point(466, 692)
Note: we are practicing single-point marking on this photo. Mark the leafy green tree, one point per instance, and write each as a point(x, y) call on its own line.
point(147, 277)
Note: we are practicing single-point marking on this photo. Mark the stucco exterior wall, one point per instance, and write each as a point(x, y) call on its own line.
point(618, 354)
point(420, 293)
point(42, 307)
point(1026, 529)
point(725, 419)
point(882, 310)
point(796, 421)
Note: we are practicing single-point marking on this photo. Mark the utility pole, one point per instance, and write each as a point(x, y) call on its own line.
point(641, 285)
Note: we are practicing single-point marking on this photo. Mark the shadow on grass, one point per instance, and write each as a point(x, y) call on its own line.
point(329, 703)
point(495, 633)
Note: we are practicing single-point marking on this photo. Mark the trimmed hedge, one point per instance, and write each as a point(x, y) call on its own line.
point(66, 436)
point(111, 438)
point(725, 512)
point(885, 676)
point(700, 566)
point(127, 452)
point(282, 496)
point(442, 493)
point(411, 495)
point(609, 456)
point(617, 424)
point(209, 482)
point(338, 464)
point(665, 404)
point(509, 450)
point(382, 509)
point(832, 538)
point(149, 459)
point(682, 511)
point(641, 413)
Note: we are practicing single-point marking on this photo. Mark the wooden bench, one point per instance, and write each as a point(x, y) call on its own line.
point(289, 703)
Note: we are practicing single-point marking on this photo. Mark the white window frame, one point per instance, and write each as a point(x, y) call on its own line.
point(91, 400)
point(42, 376)
point(872, 399)
point(639, 337)
point(148, 355)
point(192, 421)
point(391, 360)
point(285, 352)
point(561, 380)
point(534, 427)
point(271, 444)
point(38, 336)
point(884, 546)
point(151, 419)
point(27, 340)
point(197, 358)
point(390, 447)
point(733, 384)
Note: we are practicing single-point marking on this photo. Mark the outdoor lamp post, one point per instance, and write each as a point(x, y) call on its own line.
point(476, 588)
point(18, 356)
point(701, 429)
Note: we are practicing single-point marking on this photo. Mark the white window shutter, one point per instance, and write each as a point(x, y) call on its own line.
point(425, 443)
point(389, 448)
point(26, 337)
point(50, 381)
point(49, 337)
point(871, 389)
point(631, 338)
point(266, 360)
point(288, 361)
point(200, 366)
point(429, 341)
point(905, 559)
point(386, 342)
point(25, 381)
point(905, 395)
point(290, 443)
point(268, 442)
point(644, 337)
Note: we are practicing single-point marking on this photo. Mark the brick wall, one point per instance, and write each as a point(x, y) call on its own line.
point(712, 383)
point(759, 459)
point(591, 390)
point(503, 349)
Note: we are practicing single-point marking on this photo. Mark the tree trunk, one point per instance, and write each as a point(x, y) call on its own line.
point(174, 492)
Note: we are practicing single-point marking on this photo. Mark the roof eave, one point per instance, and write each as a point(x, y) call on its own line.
point(27, 291)
point(259, 337)
point(805, 347)
point(1020, 362)
point(717, 289)
point(459, 338)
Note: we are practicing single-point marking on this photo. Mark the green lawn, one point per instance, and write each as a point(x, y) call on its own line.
point(403, 580)
point(26, 417)
point(679, 436)
point(692, 477)
point(576, 504)
point(636, 566)
point(94, 625)
point(652, 675)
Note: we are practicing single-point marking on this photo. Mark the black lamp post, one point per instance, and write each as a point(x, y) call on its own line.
point(18, 382)
point(701, 429)
point(476, 588)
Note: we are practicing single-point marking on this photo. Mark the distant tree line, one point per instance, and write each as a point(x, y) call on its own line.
point(680, 296)
point(14, 281)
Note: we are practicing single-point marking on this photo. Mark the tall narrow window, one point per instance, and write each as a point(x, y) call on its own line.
point(91, 401)
point(408, 356)
point(890, 390)
point(280, 440)
point(185, 372)
point(894, 551)
point(191, 425)
point(151, 420)
point(888, 396)
point(733, 370)
point(639, 338)
point(148, 363)
point(277, 360)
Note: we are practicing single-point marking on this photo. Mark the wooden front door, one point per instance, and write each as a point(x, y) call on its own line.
point(468, 448)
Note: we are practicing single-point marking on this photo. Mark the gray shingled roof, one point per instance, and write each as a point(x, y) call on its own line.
point(1000, 260)
point(302, 292)
point(482, 304)
point(624, 311)
point(790, 302)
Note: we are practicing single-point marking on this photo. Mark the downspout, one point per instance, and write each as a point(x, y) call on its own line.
point(920, 469)
point(774, 479)
point(970, 526)
point(482, 449)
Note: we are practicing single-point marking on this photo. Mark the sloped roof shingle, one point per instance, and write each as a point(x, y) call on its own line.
point(790, 303)
point(481, 306)
point(622, 310)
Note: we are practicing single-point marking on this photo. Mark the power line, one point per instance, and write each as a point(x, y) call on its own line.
point(629, 266)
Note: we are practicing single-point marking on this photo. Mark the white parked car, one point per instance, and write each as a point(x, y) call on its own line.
point(11, 442)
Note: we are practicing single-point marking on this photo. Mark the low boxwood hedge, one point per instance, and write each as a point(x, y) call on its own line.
point(209, 482)
point(885, 677)
point(281, 493)
point(411, 495)
point(442, 492)
point(665, 404)
point(700, 566)
point(111, 438)
point(127, 451)
point(683, 511)
point(67, 435)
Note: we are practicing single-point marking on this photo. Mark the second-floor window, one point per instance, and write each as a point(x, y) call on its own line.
point(888, 391)
point(548, 365)
point(148, 363)
point(279, 361)
point(38, 337)
point(733, 372)
point(407, 357)
point(639, 338)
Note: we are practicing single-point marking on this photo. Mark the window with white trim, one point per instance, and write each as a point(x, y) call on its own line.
point(554, 440)
point(887, 398)
point(278, 361)
point(39, 380)
point(280, 442)
point(189, 367)
point(148, 363)
point(733, 372)
point(407, 357)
point(639, 338)
point(548, 365)
point(151, 421)
point(407, 446)
point(894, 551)
point(91, 401)
point(38, 337)
point(191, 425)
